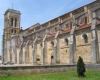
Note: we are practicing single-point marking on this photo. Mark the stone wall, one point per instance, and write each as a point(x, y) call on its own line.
point(27, 70)
point(83, 49)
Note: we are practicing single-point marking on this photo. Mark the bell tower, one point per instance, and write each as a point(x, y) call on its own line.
point(11, 28)
point(11, 23)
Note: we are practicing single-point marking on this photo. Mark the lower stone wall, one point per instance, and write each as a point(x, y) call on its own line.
point(27, 70)
point(93, 66)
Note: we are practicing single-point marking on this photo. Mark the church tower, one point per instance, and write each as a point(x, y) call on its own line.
point(11, 28)
point(11, 23)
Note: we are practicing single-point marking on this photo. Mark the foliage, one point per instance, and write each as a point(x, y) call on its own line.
point(8, 74)
point(38, 59)
point(80, 67)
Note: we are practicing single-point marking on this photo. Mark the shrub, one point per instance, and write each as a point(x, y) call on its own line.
point(38, 59)
point(8, 74)
point(80, 67)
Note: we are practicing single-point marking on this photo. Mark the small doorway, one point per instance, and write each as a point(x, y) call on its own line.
point(52, 61)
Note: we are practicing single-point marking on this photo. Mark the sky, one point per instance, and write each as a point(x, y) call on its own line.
point(37, 11)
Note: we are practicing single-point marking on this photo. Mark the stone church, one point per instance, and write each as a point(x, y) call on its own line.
point(58, 41)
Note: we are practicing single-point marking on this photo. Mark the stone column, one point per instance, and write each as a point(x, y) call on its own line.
point(56, 49)
point(18, 56)
point(24, 57)
point(9, 49)
point(2, 57)
point(13, 55)
point(15, 49)
point(72, 46)
point(55, 54)
point(43, 52)
point(34, 55)
point(9, 54)
point(5, 54)
point(27, 52)
point(94, 40)
point(26, 47)
point(18, 23)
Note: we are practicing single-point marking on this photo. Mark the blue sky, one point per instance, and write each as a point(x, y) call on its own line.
point(38, 11)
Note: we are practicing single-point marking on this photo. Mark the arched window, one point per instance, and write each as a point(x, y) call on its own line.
point(66, 40)
point(51, 57)
point(11, 21)
point(70, 25)
point(41, 44)
point(84, 21)
point(67, 26)
point(55, 29)
point(12, 31)
point(15, 22)
point(52, 43)
point(85, 38)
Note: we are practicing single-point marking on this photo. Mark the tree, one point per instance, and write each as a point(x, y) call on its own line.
point(80, 67)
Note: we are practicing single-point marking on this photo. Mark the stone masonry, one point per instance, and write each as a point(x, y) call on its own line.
point(58, 41)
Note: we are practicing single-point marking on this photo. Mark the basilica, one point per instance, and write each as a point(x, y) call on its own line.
point(58, 41)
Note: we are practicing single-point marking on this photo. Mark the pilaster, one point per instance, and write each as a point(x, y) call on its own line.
point(94, 40)
point(56, 48)
point(43, 52)
point(72, 46)
point(19, 57)
point(34, 54)
point(26, 53)
point(9, 54)
point(24, 57)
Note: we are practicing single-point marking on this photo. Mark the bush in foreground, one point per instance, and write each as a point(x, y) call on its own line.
point(80, 67)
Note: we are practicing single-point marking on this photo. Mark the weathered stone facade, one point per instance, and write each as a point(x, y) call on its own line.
point(59, 41)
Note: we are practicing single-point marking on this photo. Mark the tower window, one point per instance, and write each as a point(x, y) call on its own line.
point(11, 21)
point(15, 22)
point(66, 40)
point(85, 38)
point(12, 31)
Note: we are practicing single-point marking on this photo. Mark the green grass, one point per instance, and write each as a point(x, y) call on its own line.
point(70, 75)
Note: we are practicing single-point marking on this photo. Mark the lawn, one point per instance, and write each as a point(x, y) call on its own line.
point(70, 75)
